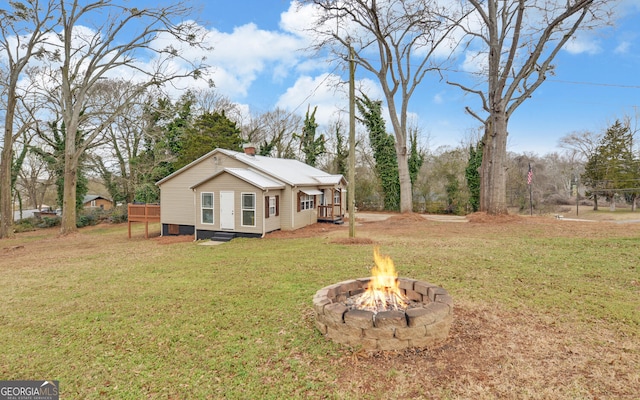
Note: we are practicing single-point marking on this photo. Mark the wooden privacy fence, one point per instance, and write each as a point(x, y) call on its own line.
point(143, 213)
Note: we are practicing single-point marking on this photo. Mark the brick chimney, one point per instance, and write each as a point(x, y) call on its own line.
point(249, 149)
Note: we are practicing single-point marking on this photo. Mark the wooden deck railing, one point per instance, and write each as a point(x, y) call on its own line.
point(329, 212)
point(143, 213)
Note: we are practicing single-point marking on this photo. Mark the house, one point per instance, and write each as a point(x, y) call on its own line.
point(226, 194)
point(94, 201)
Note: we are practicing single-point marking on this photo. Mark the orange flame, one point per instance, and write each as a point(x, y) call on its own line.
point(382, 292)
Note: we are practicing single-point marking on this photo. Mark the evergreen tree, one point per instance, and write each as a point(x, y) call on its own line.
point(164, 137)
point(209, 131)
point(472, 174)
point(610, 170)
point(384, 151)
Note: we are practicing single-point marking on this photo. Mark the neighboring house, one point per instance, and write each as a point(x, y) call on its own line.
point(226, 194)
point(96, 201)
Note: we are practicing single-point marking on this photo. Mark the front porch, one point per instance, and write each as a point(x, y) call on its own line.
point(330, 213)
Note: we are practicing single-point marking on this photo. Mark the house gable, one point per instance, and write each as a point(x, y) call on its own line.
point(232, 171)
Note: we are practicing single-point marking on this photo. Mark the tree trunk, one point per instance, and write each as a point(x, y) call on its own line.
point(6, 205)
point(6, 159)
point(406, 195)
point(493, 170)
point(595, 202)
point(68, 222)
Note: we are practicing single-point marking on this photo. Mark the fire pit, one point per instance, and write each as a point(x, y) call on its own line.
point(384, 312)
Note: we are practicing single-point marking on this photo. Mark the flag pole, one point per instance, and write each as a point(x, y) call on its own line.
point(530, 201)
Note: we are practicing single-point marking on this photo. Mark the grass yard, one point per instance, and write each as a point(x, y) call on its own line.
point(544, 309)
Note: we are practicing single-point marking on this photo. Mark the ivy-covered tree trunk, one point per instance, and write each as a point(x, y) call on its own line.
point(385, 152)
point(311, 146)
point(416, 158)
point(472, 174)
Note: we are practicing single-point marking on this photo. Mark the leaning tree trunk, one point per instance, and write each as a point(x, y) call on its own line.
point(493, 170)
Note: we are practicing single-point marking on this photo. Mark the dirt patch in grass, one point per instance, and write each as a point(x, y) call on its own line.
point(493, 353)
point(484, 218)
point(313, 230)
point(353, 240)
point(173, 239)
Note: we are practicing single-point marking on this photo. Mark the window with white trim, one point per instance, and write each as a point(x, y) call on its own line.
point(336, 197)
point(272, 206)
point(248, 209)
point(307, 202)
point(206, 207)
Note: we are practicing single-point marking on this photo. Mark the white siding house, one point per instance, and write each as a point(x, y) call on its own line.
point(226, 194)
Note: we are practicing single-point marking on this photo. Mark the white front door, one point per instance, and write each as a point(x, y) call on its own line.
point(227, 219)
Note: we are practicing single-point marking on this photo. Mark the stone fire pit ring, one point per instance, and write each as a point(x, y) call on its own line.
point(425, 324)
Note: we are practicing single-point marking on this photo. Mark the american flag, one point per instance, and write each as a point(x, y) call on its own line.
point(529, 175)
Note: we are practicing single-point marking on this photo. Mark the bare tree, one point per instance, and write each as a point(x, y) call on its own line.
point(518, 40)
point(395, 40)
point(23, 31)
point(274, 132)
point(118, 161)
point(34, 180)
point(210, 101)
point(114, 48)
point(580, 145)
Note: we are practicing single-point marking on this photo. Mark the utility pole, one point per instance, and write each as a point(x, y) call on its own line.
point(577, 194)
point(351, 194)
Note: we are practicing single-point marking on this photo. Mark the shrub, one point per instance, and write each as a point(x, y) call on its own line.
point(118, 215)
point(48, 222)
point(25, 225)
point(560, 200)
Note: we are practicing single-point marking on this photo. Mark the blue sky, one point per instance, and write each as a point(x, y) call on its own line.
point(258, 63)
point(594, 84)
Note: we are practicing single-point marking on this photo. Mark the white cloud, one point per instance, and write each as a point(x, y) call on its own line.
point(241, 56)
point(623, 47)
point(475, 61)
point(297, 20)
point(326, 91)
point(583, 44)
point(329, 93)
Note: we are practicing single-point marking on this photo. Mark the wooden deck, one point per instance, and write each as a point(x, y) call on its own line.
point(329, 213)
point(143, 213)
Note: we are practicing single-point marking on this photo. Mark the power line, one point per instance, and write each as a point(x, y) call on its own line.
point(315, 89)
point(596, 84)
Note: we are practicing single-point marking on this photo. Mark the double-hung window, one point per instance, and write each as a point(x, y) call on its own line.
point(206, 206)
point(248, 209)
point(272, 206)
point(307, 202)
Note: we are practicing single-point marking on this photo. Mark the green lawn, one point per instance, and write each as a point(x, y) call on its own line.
point(115, 318)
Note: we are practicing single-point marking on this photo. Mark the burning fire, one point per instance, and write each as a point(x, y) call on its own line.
point(383, 293)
